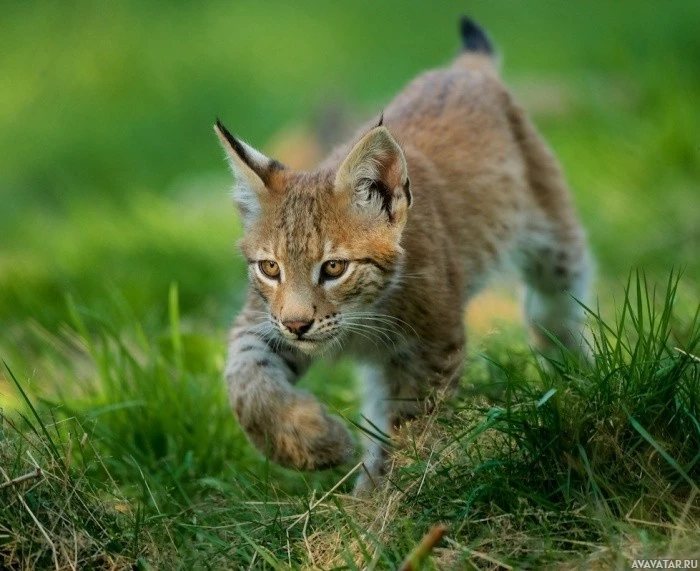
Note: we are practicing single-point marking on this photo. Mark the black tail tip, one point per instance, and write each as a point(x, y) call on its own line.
point(474, 38)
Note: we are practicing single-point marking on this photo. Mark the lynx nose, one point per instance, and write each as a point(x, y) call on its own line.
point(298, 326)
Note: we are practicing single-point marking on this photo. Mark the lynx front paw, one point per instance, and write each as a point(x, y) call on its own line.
point(300, 434)
point(308, 438)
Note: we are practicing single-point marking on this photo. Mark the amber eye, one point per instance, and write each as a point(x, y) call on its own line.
point(269, 268)
point(333, 269)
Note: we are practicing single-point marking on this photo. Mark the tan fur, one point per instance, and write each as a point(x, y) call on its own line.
point(453, 186)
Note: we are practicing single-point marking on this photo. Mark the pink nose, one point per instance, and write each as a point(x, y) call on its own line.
point(298, 326)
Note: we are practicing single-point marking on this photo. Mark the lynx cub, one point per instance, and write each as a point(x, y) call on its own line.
point(377, 251)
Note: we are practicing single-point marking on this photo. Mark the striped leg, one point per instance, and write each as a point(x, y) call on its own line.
point(287, 425)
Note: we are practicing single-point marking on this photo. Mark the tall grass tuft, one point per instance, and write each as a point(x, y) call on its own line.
point(156, 405)
point(580, 449)
point(54, 513)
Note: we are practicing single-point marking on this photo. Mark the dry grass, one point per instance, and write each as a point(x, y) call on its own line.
point(58, 518)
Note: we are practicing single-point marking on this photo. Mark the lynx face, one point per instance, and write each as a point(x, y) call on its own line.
point(322, 248)
point(315, 287)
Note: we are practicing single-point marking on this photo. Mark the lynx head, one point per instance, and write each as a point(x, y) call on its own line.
point(323, 247)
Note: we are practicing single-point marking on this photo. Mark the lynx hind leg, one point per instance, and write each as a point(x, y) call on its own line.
point(557, 274)
point(287, 425)
point(552, 254)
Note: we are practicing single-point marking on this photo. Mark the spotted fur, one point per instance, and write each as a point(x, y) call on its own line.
point(483, 191)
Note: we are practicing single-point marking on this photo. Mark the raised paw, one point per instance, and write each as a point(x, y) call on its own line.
point(299, 434)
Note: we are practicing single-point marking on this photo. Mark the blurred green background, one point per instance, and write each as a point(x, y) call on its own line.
point(112, 185)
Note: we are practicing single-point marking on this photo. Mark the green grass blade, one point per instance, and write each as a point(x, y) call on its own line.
point(665, 455)
point(52, 446)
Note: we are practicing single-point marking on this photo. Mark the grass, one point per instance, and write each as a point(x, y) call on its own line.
point(569, 464)
point(119, 278)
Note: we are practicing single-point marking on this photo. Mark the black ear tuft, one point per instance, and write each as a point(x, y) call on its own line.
point(223, 130)
point(381, 120)
point(233, 142)
point(260, 164)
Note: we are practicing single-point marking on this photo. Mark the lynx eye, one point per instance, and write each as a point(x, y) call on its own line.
point(270, 269)
point(333, 269)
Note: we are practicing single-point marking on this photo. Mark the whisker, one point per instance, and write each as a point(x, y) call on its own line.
point(381, 317)
point(392, 329)
point(334, 340)
point(366, 336)
point(389, 335)
point(372, 330)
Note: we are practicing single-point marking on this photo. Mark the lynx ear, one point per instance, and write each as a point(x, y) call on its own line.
point(252, 171)
point(375, 172)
